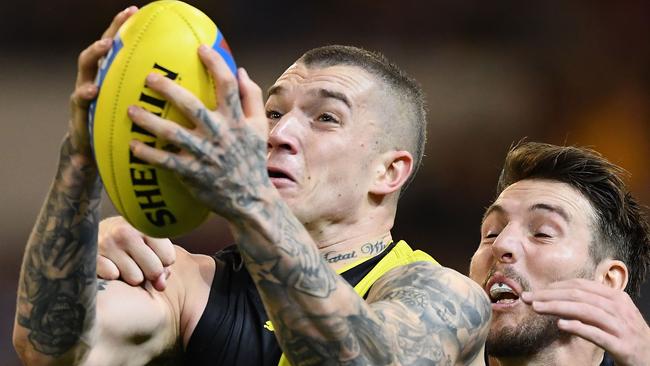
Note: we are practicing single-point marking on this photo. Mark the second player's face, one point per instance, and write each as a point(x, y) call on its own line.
point(322, 139)
point(536, 232)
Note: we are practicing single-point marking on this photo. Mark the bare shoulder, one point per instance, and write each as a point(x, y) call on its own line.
point(195, 266)
point(435, 312)
point(190, 280)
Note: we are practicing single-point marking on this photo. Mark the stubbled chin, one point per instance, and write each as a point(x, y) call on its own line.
point(501, 321)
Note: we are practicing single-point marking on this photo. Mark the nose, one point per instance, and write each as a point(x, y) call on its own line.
point(507, 245)
point(283, 135)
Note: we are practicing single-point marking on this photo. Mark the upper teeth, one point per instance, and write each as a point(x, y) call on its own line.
point(499, 288)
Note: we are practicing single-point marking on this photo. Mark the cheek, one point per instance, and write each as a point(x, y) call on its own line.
point(480, 264)
point(556, 262)
point(340, 164)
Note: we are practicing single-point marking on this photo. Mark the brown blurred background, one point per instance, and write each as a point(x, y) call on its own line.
point(494, 72)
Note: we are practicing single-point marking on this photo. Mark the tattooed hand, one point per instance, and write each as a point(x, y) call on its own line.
point(223, 159)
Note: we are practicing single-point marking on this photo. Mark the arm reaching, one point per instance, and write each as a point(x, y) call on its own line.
point(318, 317)
point(56, 294)
point(61, 319)
point(418, 313)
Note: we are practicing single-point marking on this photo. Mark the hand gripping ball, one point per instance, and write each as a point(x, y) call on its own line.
point(161, 37)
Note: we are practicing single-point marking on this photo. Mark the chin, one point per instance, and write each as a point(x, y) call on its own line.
point(521, 336)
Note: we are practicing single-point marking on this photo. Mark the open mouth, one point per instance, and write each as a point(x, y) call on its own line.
point(276, 173)
point(501, 293)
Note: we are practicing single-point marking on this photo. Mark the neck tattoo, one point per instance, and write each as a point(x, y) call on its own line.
point(367, 249)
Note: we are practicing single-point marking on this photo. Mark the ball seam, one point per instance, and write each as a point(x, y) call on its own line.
point(129, 54)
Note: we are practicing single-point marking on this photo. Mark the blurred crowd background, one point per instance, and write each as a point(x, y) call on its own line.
point(564, 72)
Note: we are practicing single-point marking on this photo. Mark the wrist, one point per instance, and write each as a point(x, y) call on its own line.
point(77, 166)
point(260, 219)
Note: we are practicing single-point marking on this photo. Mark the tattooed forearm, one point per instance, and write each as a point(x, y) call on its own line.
point(442, 315)
point(289, 257)
point(418, 314)
point(319, 318)
point(354, 339)
point(57, 283)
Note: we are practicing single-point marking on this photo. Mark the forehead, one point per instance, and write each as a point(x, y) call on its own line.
point(520, 197)
point(351, 81)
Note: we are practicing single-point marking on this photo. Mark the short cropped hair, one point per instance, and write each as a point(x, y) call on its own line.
point(410, 132)
point(621, 229)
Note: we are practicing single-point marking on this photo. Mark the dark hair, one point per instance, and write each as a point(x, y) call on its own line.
point(621, 228)
point(402, 88)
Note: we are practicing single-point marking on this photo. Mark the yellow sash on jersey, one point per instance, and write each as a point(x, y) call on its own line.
point(400, 255)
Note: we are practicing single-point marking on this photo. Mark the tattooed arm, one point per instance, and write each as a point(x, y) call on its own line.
point(61, 318)
point(435, 313)
point(418, 313)
point(415, 314)
point(57, 283)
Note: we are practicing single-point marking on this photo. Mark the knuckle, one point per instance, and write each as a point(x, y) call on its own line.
point(122, 245)
point(106, 269)
point(574, 294)
point(131, 273)
point(168, 253)
point(135, 149)
point(227, 81)
point(170, 132)
point(167, 259)
point(104, 245)
point(154, 271)
point(189, 110)
point(83, 56)
point(123, 232)
point(117, 17)
point(89, 56)
point(133, 278)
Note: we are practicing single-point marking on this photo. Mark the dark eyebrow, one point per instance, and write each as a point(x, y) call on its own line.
point(551, 208)
point(275, 89)
point(493, 208)
point(325, 93)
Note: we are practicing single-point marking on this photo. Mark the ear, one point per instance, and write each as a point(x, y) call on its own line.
point(612, 273)
point(392, 170)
